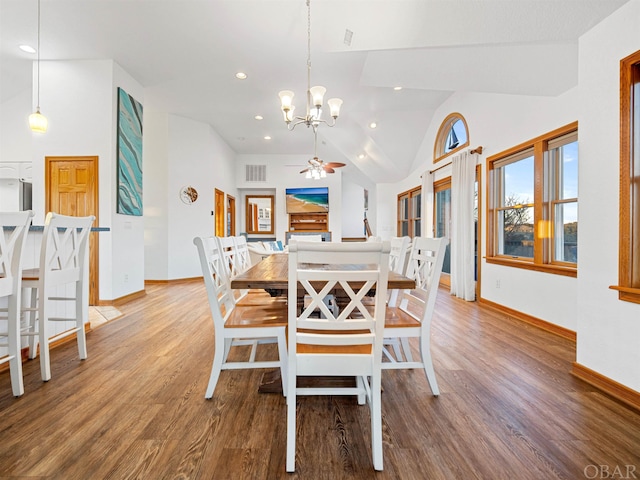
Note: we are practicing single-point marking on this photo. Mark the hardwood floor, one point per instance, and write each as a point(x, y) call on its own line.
point(135, 408)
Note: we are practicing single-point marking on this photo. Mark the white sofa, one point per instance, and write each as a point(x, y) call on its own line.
point(261, 250)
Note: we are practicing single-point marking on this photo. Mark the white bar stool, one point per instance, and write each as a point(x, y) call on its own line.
point(13, 230)
point(63, 263)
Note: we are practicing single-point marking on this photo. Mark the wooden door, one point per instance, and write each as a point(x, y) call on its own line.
point(231, 216)
point(219, 217)
point(71, 188)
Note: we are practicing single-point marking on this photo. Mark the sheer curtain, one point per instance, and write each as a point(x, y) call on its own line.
point(463, 177)
point(427, 204)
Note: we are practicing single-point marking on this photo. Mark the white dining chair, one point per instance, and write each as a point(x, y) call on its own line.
point(412, 315)
point(238, 325)
point(13, 231)
point(61, 277)
point(346, 345)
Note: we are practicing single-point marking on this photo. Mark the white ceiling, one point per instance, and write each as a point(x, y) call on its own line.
point(186, 53)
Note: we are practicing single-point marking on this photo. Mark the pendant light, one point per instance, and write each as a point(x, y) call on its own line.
point(38, 122)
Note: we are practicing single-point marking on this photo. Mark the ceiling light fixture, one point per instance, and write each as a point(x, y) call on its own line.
point(38, 122)
point(373, 125)
point(258, 117)
point(318, 169)
point(27, 48)
point(314, 96)
point(241, 76)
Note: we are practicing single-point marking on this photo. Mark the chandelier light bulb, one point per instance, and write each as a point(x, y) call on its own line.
point(38, 122)
point(286, 98)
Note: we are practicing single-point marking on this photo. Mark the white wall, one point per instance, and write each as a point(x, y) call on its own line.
point(127, 231)
point(15, 134)
point(200, 158)
point(183, 152)
point(283, 171)
point(608, 329)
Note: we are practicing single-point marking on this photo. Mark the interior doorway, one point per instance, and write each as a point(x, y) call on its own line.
point(71, 188)
point(231, 216)
point(219, 213)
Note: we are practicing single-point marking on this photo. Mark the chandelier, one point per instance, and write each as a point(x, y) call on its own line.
point(37, 121)
point(314, 96)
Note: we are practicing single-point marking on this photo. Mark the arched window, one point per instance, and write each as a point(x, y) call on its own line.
point(453, 135)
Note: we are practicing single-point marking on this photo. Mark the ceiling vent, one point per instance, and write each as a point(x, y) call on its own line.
point(255, 173)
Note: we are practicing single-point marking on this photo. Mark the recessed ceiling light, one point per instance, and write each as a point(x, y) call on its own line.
point(361, 156)
point(27, 48)
point(267, 137)
point(241, 76)
point(373, 125)
point(258, 117)
point(397, 88)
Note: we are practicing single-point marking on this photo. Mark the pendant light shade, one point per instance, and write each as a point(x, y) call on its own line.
point(38, 122)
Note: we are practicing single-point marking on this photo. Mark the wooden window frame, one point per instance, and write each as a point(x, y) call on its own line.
point(542, 259)
point(411, 218)
point(629, 242)
point(441, 138)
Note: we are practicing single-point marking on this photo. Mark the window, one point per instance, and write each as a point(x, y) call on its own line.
point(629, 256)
point(533, 204)
point(452, 136)
point(409, 213)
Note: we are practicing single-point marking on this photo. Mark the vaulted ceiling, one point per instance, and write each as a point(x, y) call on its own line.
point(186, 54)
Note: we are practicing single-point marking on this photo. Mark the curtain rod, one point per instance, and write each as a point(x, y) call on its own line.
point(477, 150)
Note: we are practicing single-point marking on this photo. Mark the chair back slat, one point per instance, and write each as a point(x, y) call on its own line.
point(214, 270)
point(64, 247)
point(14, 227)
point(352, 269)
point(425, 267)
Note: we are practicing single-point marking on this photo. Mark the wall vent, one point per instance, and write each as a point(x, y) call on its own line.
point(255, 173)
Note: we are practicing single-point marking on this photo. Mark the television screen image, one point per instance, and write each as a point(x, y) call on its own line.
point(307, 200)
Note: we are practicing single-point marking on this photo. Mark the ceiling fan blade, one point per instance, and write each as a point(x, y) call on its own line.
point(334, 164)
point(304, 171)
point(328, 169)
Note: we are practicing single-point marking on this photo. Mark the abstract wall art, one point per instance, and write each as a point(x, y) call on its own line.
point(129, 150)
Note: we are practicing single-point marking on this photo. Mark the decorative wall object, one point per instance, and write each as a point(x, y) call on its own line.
point(307, 200)
point(129, 155)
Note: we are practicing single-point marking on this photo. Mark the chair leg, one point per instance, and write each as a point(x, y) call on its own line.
point(406, 348)
point(425, 353)
point(32, 319)
point(376, 423)
point(43, 338)
point(362, 397)
point(282, 355)
point(80, 315)
point(219, 356)
point(291, 429)
point(15, 364)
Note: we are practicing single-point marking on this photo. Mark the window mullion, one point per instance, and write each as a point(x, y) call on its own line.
point(540, 213)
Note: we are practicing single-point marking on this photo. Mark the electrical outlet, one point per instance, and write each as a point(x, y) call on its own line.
point(497, 283)
point(126, 277)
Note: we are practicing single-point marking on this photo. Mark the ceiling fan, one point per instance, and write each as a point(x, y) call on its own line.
point(316, 164)
point(317, 168)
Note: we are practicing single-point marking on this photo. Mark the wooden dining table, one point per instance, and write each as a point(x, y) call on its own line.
point(272, 275)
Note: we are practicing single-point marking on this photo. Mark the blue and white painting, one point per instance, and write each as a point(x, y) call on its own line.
point(129, 155)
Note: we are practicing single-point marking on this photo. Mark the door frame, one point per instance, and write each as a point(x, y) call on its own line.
point(94, 264)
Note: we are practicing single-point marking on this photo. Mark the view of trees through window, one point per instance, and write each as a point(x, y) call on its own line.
point(534, 200)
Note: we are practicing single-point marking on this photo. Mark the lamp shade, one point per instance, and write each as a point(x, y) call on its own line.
point(334, 106)
point(38, 122)
point(317, 94)
point(286, 97)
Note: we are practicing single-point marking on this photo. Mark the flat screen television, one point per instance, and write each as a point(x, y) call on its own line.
point(307, 200)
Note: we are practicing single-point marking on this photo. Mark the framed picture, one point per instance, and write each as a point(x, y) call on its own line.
point(129, 151)
point(307, 200)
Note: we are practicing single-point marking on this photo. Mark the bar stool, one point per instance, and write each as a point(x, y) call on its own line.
point(63, 266)
point(13, 231)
